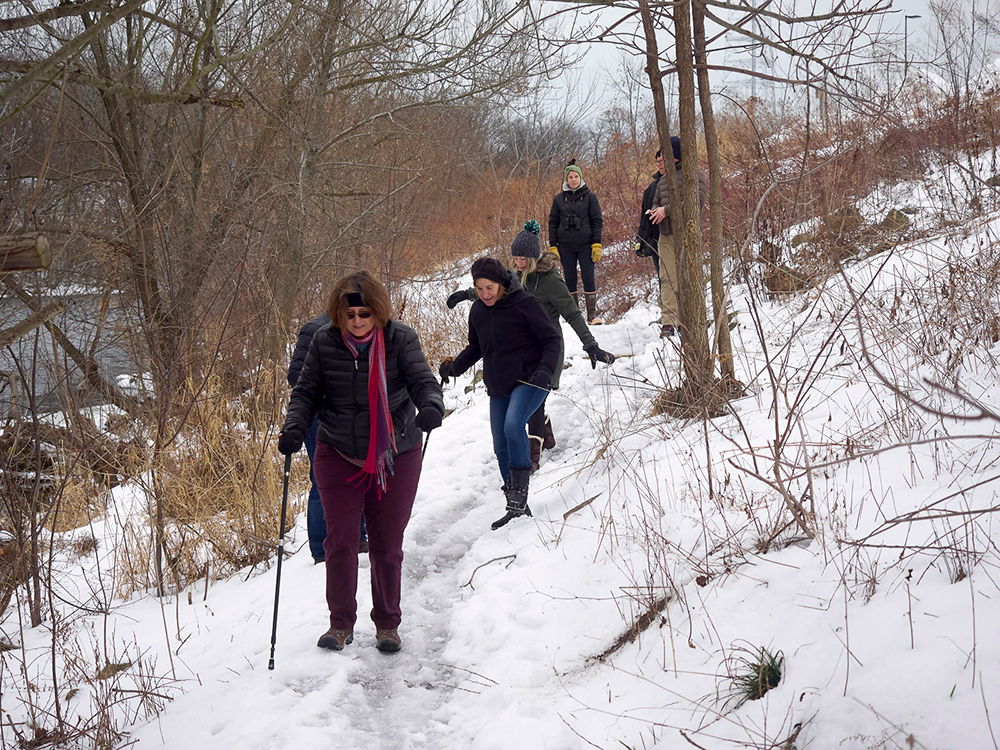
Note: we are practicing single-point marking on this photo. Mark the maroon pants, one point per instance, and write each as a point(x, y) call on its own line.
point(386, 519)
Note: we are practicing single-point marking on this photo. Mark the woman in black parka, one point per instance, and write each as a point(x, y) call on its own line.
point(365, 376)
point(575, 226)
point(519, 346)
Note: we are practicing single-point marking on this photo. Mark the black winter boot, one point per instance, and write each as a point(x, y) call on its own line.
point(517, 496)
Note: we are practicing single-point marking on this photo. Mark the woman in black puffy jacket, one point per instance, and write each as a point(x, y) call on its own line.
point(520, 348)
point(575, 226)
point(365, 376)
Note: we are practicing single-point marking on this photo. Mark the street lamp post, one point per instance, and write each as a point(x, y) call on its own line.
point(906, 39)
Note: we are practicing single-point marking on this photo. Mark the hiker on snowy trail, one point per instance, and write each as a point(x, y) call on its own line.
point(315, 523)
point(666, 268)
point(365, 376)
point(575, 226)
point(539, 276)
point(520, 348)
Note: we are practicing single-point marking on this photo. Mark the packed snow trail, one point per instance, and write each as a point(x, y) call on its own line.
point(361, 698)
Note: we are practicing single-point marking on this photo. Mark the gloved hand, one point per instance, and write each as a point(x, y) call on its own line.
point(463, 295)
point(554, 249)
point(638, 248)
point(428, 419)
point(595, 252)
point(597, 354)
point(290, 441)
point(539, 379)
point(446, 370)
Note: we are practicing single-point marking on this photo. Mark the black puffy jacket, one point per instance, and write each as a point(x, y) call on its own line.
point(334, 385)
point(306, 334)
point(514, 338)
point(575, 219)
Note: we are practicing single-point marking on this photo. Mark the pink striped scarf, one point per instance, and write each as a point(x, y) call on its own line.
point(381, 435)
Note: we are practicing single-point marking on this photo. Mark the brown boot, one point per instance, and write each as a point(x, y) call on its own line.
point(591, 300)
point(387, 640)
point(576, 298)
point(335, 640)
point(548, 438)
point(535, 446)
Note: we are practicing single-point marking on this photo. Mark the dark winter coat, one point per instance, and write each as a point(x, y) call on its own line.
point(575, 220)
point(547, 286)
point(334, 385)
point(306, 334)
point(649, 233)
point(514, 338)
point(661, 197)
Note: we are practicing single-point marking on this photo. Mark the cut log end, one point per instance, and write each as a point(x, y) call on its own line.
point(31, 251)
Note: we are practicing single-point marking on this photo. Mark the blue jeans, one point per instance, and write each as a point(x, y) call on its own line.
point(508, 416)
point(315, 521)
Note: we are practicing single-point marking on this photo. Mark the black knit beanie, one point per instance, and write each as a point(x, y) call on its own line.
point(489, 268)
point(525, 244)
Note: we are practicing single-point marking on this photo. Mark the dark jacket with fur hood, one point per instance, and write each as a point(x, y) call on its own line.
point(546, 285)
point(334, 386)
point(514, 338)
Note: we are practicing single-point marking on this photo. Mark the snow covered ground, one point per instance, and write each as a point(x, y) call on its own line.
point(886, 623)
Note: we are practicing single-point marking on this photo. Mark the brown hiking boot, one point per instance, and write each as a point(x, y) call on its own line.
point(548, 437)
point(593, 319)
point(535, 451)
point(335, 640)
point(387, 640)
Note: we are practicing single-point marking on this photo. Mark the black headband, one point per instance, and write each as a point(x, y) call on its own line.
point(354, 299)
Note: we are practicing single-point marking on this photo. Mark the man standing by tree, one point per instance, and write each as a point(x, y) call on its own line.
point(649, 233)
point(659, 216)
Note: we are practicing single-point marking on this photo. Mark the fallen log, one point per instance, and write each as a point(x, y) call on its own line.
point(30, 251)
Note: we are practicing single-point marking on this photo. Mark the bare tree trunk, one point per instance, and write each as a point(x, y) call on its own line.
point(723, 343)
point(694, 321)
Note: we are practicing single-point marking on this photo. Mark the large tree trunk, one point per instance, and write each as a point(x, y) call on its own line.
point(723, 344)
point(694, 320)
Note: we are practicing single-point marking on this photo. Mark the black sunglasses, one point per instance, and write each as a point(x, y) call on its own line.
point(351, 315)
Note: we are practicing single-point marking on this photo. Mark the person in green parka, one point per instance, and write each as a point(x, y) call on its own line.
point(540, 277)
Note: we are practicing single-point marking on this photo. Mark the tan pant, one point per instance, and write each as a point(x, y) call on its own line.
point(667, 268)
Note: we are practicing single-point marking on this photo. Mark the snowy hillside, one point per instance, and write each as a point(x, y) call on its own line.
point(885, 621)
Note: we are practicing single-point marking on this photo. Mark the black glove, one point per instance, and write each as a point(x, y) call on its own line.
point(597, 354)
point(539, 379)
point(290, 441)
point(428, 419)
point(463, 295)
point(447, 369)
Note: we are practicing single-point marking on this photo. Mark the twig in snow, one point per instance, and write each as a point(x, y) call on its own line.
point(495, 559)
point(571, 511)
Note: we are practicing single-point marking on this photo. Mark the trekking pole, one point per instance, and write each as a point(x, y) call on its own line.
point(427, 439)
point(281, 554)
